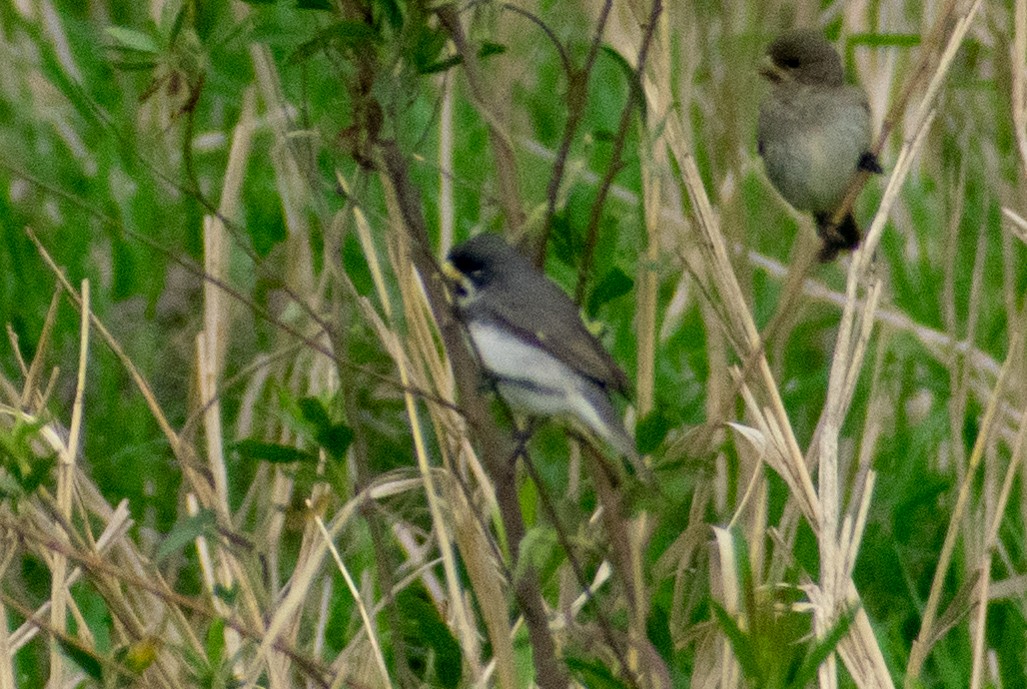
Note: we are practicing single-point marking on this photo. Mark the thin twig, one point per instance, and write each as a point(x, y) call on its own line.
point(604, 623)
point(549, 673)
point(502, 146)
point(616, 157)
point(898, 107)
point(577, 98)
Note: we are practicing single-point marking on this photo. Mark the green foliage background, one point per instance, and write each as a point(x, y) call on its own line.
point(119, 119)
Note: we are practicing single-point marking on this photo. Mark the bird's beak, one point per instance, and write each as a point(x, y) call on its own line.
point(450, 271)
point(460, 286)
point(770, 71)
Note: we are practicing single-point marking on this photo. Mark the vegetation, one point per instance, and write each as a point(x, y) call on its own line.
point(242, 441)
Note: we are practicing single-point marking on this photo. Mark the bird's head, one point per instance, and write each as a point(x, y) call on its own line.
point(478, 264)
point(802, 56)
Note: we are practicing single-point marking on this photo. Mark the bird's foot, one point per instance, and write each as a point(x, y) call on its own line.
point(842, 237)
point(868, 162)
point(521, 436)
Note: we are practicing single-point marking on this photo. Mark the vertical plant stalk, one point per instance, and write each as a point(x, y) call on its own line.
point(447, 210)
point(65, 488)
point(499, 138)
point(785, 456)
point(577, 99)
point(360, 452)
point(1018, 69)
point(183, 452)
point(978, 628)
point(652, 76)
point(362, 609)
point(835, 580)
point(928, 635)
point(898, 107)
point(486, 578)
point(616, 163)
point(654, 162)
point(434, 481)
point(527, 589)
point(836, 588)
point(861, 266)
point(211, 347)
point(641, 664)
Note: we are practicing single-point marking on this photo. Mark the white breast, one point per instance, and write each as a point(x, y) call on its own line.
point(535, 382)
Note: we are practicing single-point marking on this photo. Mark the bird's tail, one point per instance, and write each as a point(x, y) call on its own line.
point(842, 237)
point(606, 423)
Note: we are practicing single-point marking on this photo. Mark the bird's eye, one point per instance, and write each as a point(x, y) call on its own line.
point(478, 276)
point(791, 62)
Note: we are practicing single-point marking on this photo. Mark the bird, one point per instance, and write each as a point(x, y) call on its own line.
point(532, 343)
point(813, 133)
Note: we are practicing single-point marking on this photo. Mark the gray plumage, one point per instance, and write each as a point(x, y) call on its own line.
point(814, 132)
point(530, 338)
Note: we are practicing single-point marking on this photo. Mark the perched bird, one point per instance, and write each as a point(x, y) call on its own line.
point(814, 132)
point(530, 339)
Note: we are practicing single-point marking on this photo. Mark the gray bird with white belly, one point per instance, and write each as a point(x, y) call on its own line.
point(530, 339)
point(814, 133)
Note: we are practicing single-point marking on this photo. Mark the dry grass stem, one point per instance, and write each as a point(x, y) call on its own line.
point(369, 627)
point(928, 634)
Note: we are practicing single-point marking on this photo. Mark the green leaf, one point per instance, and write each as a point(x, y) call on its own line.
point(342, 35)
point(336, 440)
point(391, 10)
point(177, 23)
point(228, 595)
point(487, 49)
point(423, 627)
point(615, 283)
point(744, 575)
point(251, 449)
point(441, 65)
point(427, 44)
point(216, 642)
point(658, 630)
point(540, 548)
point(593, 674)
point(566, 239)
point(134, 65)
point(314, 413)
point(337, 476)
point(743, 648)
point(203, 523)
point(651, 430)
point(824, 648)
point(89, 663)
point(634, 83)
point(132, 39)
point(355, 264)
point(26, 470)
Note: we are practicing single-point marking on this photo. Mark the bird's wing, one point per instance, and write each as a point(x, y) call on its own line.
point(545, 315)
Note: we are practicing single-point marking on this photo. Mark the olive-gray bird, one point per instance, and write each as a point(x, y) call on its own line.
point(530, 339)
point(814, 133)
